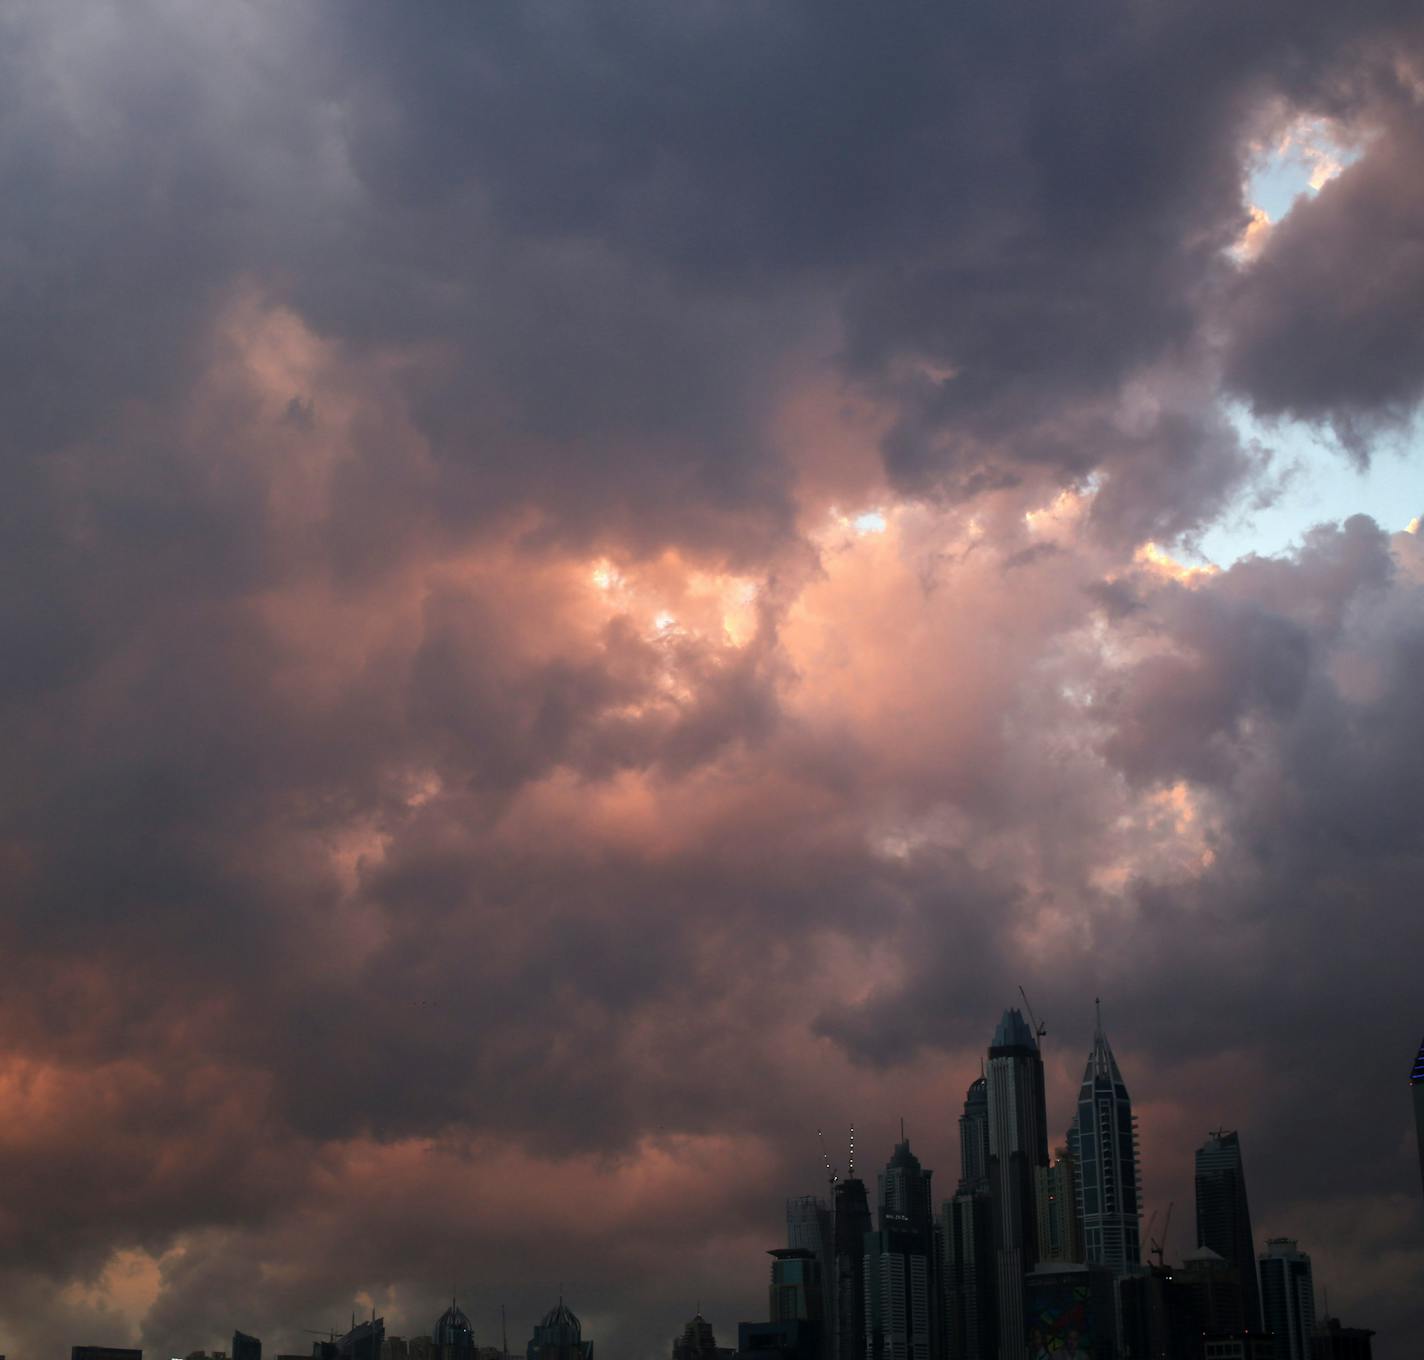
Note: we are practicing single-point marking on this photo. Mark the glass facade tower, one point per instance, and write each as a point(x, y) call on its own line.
point(1224, 1216)
point(1106, 1174)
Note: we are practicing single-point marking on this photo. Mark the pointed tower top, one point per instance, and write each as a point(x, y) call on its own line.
point(1102, 1066)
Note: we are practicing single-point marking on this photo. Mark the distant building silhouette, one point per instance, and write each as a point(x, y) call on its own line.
point(1334, 1342)
point(968, 1263)
point(452, 1337)
point(1416, 1080)
point(969, 1266)
point(1224, 1215)
point(246, 1347)
point(1288, 1297)
point(559, 1336)
point(974, 1136)
point(796, 1292)
point(1205, 1297)
point(1106, 1155)
point(810, 1225)
point(899, 1290)
point(698, 1342)
point(1060, 1229)
point(1018, 1150)
point(103, 1353)
point(852, 1222)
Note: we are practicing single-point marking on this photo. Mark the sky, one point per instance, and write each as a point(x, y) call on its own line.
point(590, 590)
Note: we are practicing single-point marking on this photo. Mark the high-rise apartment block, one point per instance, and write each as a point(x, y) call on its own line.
point(1224, 1215)
point(1107, 1178)
point(1288, 1297)
point(1018, 1150)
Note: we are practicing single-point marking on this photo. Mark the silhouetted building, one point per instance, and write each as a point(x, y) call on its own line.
point(974, 1136)
point(452, 1337)
point(1416, 1081)
point(559, 1336)
point(1334, 1342)
point(698, 1342)
point(1205, 1298)
point(899, 1290)
point(969, 1271)
point(1060, 1236)
point(363, 1342)
point(246, 1347)
point(796, 1292)
point(1288, 1297)
point(1224, 1215)
point(852, 1222)
point(907, 1205)
point(810, 1225)
point(790, 1339)
point(1018, 1149)
point(103, 1353)
point(1107, 1162)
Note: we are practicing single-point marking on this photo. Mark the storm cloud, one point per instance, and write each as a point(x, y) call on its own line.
point(589, 591)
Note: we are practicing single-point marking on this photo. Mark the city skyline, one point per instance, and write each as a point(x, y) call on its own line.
point(587, 590)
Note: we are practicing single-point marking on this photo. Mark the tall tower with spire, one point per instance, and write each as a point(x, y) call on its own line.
point(1108, 1182)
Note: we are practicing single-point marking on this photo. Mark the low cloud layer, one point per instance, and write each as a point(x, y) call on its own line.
point(588, 594)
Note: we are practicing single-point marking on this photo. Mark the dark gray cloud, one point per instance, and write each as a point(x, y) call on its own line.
point(470, 811)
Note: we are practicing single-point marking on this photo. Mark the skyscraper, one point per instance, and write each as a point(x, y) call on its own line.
point(899, 1288)
point(1288, 1297)
point(795, 1286)
point(1416, 1080)
point(1223, 1215)
point(559, 1336)
point(968, 1312)
point(1107, 1176)
point(810, 1225)
point(974, 1136)
point(1018, 1149)
point(906, 1204)
point(852, 1222)
point(1060, 1232)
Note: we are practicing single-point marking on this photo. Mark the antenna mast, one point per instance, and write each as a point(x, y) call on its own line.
point(850, 1169)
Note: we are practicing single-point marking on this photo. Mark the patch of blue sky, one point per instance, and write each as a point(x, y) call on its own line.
point(1315, 482)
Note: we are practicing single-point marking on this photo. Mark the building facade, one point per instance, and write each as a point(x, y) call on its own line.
point(1018, 1150)
point(1288, 1297)
point(1224, 1215)
point(1107, 1184)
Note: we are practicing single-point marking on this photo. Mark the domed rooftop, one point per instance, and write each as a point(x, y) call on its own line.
point(563, 1318)
point(453, 1327)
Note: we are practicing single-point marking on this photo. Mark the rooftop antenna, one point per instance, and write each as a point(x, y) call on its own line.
point(1039, 1030)
point(902, 1128)
point(503, 1332)
point(825, 1157)
point(850, 1169)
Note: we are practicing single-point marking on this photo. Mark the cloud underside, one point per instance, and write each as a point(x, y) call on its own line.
point(585, 595)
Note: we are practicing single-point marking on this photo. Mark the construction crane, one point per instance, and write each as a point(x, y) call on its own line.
point(1039, 1029)
point(1155, 1248)
point(825, 1157)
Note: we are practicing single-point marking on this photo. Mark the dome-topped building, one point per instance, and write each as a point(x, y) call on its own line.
point(559, 1337)
point(453, 1336)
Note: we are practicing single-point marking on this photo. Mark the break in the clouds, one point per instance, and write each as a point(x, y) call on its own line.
point(587, 591)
